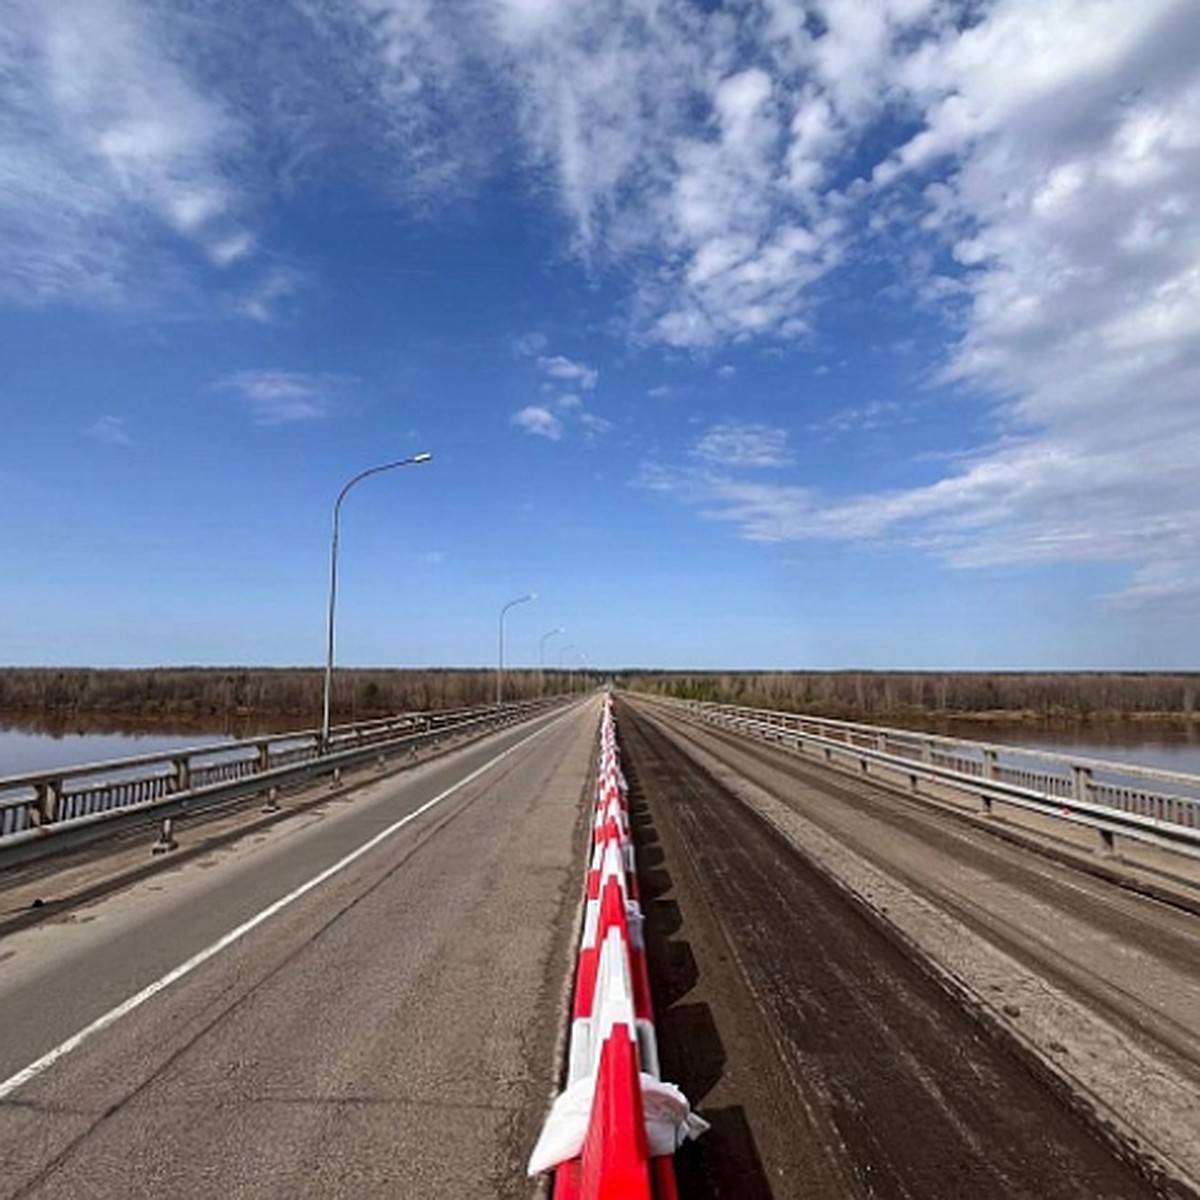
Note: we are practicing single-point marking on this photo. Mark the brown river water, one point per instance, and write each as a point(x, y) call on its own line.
point(26, 746)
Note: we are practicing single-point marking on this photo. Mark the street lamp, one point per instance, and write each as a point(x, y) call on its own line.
point(542, 656)
point(500, 666)
point(542, 648)
point(333, 552)
point(562, 665)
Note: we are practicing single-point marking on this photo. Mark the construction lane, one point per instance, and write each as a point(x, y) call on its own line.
point(829, 1063)
point(387, 1028)
point(1088, 965)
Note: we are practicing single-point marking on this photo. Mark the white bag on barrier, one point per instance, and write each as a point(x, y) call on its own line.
point(669, 1122)
point(669, 1118)
point(565, 1129)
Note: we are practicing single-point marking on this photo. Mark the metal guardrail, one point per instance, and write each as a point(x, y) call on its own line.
point(1147, 804)
point(44, 812)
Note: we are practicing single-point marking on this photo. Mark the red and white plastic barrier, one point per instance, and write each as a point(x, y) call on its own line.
point(613, 1130)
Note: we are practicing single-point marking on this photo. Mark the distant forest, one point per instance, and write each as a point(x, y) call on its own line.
point(1046, 697)
point(233, 698)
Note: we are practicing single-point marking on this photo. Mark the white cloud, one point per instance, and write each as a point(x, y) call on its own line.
point(226, 251)
point(530, 344)
point(735, 445)
point(113, 162)
point(561, 410)
point(595, 424)
point(723, 161)
point(269, 295)
point(110, 430)
point(855, 419)
point(540, 422)
point(553, 420)
point(283, 397)
point(565, 371)
point(1056, 170)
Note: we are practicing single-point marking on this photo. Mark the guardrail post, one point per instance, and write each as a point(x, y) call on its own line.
point(272, 804)
point(990, 762)
point(336, 778)
point(264, 755)
point(166, 838)
point(48, 796)
point(183, 774)
point(1082, 782)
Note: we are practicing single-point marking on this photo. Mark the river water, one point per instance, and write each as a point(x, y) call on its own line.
point(22, 752)
point(1166, 749)
point(27, 749)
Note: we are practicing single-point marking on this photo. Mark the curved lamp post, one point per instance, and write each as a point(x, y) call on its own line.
point(562, 665)
point(500, 666)
point(333, 553)
point(542, 655)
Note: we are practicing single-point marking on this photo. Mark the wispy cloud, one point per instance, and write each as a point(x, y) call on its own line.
point(113, 161)
point(1046, 209)
point(735, 445)
point(539, 421)
point(859, 418)
point(110, 430)
point(563, 370)
point(1027, 170)
point(561, 409)
point(283, 397)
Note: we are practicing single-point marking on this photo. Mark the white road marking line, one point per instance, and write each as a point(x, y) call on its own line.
point(47, 1060)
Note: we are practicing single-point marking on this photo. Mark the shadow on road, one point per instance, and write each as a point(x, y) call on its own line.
point(725, 1161)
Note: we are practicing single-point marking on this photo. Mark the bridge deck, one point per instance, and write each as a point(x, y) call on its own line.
point(818, 948)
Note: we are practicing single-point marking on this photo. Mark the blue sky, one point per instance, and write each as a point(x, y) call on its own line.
point(760, 335)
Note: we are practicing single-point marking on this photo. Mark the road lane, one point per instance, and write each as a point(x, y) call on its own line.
point(389, 1032)
point(1130, 956)
point(891, 1088)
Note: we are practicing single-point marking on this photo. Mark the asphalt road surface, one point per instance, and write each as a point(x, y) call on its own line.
point(387, 1030)
point(366, 998)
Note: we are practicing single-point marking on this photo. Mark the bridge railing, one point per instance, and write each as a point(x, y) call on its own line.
point(1147, 804)
point(40, 811)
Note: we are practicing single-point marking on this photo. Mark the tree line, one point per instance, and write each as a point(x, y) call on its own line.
point(1020, 695)
point(218, 696)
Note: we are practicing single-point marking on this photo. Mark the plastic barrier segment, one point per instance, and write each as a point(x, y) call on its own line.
point(611, 1133)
